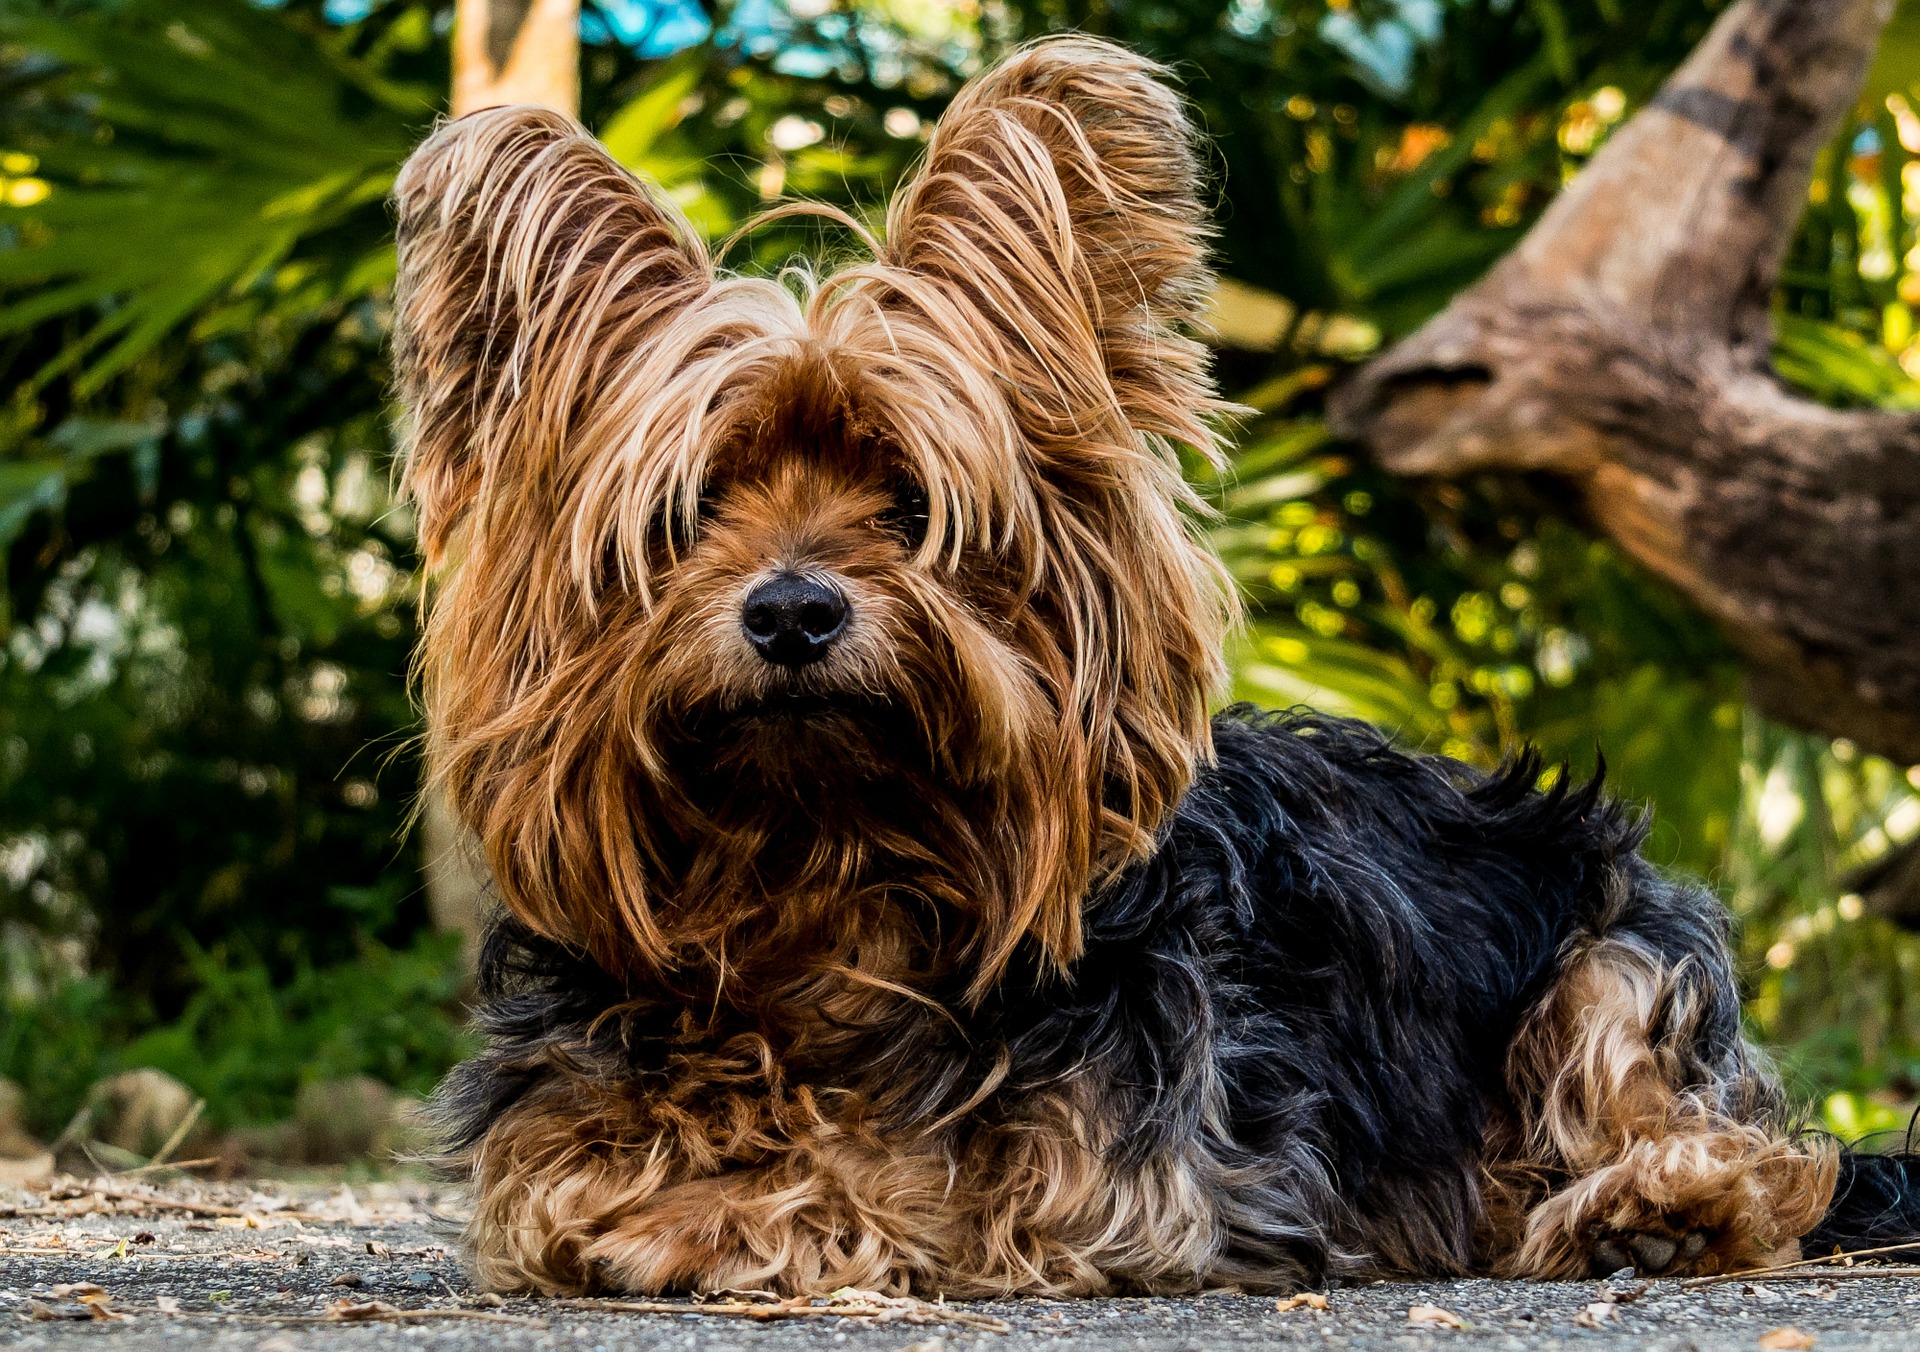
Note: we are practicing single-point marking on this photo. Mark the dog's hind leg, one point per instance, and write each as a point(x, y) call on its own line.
point(1643, 1132)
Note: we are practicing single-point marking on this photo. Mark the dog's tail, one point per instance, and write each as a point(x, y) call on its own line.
point(1876, 1204)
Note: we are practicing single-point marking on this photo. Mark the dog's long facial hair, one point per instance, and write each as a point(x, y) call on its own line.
point(805, 652)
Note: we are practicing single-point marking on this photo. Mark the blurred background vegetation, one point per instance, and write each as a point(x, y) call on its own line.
point(206, 737)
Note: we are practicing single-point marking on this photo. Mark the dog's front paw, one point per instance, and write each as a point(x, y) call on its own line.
point(1649, 1253)
point(1685, 1203)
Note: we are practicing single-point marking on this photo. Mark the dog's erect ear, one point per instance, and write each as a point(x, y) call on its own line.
point(1055, 239)
point(530, 264)
point(1060, 205)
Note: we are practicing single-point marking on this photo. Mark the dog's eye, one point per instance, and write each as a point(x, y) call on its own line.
point(670, 532)
point(906, 517)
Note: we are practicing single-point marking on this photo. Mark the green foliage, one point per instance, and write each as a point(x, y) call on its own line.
point(248, 1038)
point(56, 1042)
point(203, 714)
point(198, 724)
point(1842, 366)
point(1376, 161)
point(207, 140)
point(1836, 988)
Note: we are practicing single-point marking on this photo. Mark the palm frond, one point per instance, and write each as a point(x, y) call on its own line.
point(176, 151)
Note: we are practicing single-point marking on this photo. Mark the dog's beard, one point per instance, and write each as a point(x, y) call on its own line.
point(823, 755)
point(806, 839)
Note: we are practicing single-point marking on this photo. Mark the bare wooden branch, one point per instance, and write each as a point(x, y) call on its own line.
point(516, 51)
point(1624, 346)
point(504, 52)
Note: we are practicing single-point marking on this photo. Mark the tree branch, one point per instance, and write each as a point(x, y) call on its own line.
point(1624, 345)
point(516, 51)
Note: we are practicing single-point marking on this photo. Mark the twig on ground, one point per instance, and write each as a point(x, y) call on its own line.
point(141, 1255)
point(1815, 1267)
point(172, 1144)
point(360, 1311)
point(341, 1311)
point(1804, 1275)
point(159, 1164)
point(844, 1304)
point(198, 1208)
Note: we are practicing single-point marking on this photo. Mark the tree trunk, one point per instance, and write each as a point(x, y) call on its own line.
point(504, 51)
point(1624, 346)
point(516, 51)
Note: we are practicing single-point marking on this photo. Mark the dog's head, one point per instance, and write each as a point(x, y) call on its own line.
point(875, 591)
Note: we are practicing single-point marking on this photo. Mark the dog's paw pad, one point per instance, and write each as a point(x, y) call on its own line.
point(1648, 1253)
point(1653, 1253)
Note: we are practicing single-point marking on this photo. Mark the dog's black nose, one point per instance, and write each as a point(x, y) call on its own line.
point(792, 620)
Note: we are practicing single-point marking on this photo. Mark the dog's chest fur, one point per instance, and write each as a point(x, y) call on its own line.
point(1276, 1058)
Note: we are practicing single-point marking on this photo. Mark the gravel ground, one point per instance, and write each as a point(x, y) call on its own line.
point(257, 1269)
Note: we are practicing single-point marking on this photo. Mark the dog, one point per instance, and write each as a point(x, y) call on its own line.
point(825, 667)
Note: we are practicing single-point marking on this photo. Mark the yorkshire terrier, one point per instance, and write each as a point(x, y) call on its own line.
point(825, 669)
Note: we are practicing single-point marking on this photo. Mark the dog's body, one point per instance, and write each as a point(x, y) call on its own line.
point(827, 680)
point(1291, 1049)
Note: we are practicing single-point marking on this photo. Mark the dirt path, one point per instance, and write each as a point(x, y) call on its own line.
point(267, 1268)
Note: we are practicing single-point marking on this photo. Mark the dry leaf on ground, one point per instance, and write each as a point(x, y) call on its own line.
point(1786, 1339)
point(89, 1296)
point(1306, 1300)
point(351, 1310)
point(1434, 1317)
point(40, 1312)
point(1596, 1314)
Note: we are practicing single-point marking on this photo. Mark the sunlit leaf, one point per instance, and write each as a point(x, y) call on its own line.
point(226, 136)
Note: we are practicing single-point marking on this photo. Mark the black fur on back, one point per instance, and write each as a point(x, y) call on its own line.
point(1314, 981)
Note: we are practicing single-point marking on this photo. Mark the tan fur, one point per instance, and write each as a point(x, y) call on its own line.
point(733, 1179)
point(1611, 1138)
